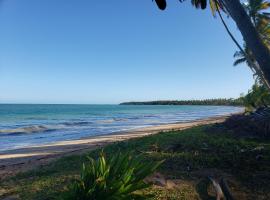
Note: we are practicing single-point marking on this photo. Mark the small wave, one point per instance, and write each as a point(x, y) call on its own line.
point(42, 128)
point(115, 119)
point(80, 123)
point(105, 121)
point(27, 130)
point(120, 119)
point(150, 116)
point(134, 118)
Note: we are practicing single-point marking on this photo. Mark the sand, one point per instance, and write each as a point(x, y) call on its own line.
point(20, 160)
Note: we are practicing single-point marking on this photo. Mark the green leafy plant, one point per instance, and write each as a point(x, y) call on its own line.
point(116, 178)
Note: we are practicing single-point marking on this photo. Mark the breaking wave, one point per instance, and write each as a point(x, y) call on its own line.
point(41, 128)
point(78, 123)
point(27, 130)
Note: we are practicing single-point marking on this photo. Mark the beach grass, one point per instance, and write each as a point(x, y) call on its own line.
point(190, 157)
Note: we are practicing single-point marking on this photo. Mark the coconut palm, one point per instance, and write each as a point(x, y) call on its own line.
point(256, 10)
point(260, 19)
point(253, 40)
point(241, 57)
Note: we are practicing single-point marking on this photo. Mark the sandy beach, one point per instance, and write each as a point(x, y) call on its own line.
point(19, 160)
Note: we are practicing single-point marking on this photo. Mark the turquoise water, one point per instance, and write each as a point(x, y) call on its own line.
point(30, 125)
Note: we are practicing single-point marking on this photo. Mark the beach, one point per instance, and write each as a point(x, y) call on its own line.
point(191, 152)
point(131, 100)
point(23, 159)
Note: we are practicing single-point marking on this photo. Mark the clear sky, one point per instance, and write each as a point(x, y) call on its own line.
point(104, 51)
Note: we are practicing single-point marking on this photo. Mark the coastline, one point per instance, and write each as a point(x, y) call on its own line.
point(20, 160)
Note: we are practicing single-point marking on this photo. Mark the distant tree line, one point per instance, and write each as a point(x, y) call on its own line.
point(214, 102)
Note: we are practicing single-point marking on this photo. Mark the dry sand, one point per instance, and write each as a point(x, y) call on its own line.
point(19, 160)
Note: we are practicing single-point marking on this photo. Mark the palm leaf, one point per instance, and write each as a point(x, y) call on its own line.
point(199, 3)
point(162, 4)
point(238, 54)
point(264, 5)
point(239, 61)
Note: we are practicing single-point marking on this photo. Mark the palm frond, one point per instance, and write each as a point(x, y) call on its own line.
point(199, 3)
point(238, 54)
point(162, 4)
point(216, 5)
point(264, 5)
point(239, 61)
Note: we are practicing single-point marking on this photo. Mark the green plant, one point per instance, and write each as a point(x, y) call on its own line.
point(257, 97)
point(116, 178)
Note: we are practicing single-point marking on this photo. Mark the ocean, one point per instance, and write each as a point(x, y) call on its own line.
point(23, 125)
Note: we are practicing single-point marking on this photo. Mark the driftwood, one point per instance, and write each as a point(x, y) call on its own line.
point(226, 189)
point(217, 187)
point(222, 190)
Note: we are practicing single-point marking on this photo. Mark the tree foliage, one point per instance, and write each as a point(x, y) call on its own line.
point(257, 11)
point(257, 97)
point(213, 102)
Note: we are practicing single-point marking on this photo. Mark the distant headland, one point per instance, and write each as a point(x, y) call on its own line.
point(212, 102)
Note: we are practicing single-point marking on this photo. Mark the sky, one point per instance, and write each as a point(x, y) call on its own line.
point(107, 52)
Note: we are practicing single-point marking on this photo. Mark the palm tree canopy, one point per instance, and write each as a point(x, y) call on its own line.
point(255, 9)
point(199, 3)
point(253, 21)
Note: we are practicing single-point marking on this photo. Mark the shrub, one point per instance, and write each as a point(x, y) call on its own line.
point(257, 97)
point(116, 178)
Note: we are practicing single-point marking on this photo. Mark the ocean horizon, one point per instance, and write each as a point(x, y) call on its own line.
point(26, 125)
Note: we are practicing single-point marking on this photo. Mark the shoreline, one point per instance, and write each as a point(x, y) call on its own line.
point(23, 159)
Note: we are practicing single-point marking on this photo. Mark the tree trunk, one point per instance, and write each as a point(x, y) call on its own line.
point(250, 35)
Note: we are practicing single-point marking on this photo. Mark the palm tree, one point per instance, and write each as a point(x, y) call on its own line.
point(255, 10)
point(253, 40)
point(260, 19)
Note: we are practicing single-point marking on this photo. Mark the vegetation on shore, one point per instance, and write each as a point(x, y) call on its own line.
point(213, 102)
point(258, 97)
point(190, 157)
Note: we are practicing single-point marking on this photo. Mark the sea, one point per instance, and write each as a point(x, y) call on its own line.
point(26, 125)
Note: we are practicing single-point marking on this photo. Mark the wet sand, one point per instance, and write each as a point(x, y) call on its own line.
point(19, 160)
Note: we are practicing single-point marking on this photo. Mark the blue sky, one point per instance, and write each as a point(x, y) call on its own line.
point(103, 51)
